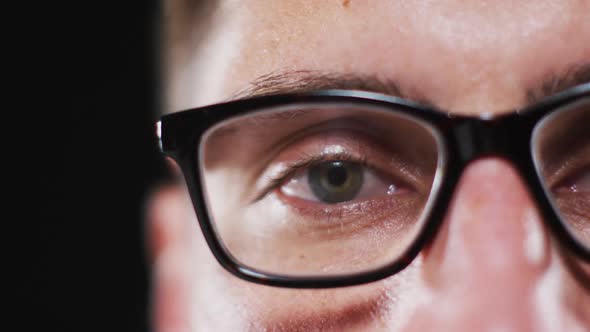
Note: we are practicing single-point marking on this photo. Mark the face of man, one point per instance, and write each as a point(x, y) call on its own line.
point(493, 265)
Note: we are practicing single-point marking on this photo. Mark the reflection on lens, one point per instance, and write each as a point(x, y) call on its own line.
point(317, 190)
point(561, 145)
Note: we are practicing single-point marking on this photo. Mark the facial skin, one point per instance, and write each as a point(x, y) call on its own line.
point(493, 266)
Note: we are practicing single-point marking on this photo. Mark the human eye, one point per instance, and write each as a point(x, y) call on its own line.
point(572, 197)
point(336, 181)
point(579, 183)
point(343, 180)
point(562, 153)
point(320, 191)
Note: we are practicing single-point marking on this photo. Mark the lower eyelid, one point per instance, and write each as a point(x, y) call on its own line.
point(575, 206)
point(396, 211)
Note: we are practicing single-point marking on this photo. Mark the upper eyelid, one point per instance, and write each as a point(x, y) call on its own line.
point(313, 160)
point(572, 164)
point(397, 171)
point(389, 156)
point(566, 172)
point(277, 179)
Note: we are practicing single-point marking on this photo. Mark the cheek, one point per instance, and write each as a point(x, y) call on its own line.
point(189, 288)
point(246, 306)
point(562, 296)
point(215, 300)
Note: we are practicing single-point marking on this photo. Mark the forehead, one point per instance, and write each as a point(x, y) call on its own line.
point(465, 56)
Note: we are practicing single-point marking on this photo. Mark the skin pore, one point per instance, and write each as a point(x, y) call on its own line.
point(493, 266)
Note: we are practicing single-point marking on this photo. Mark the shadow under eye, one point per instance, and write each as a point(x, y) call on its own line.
point(389, 214)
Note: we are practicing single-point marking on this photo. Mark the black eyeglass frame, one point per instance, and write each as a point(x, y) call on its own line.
point(465, 138)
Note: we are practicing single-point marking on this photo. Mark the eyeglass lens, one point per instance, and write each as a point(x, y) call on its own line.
point(317, 190)
point(561, 150)
point(331, 190)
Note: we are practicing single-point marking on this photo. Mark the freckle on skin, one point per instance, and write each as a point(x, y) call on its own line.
point(346, 3)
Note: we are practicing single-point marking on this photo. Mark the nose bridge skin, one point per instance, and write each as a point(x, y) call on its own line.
point(492, 213)
point(510, 137)
point(488, 256)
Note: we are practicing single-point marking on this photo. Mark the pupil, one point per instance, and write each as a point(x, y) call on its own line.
point(337, 174)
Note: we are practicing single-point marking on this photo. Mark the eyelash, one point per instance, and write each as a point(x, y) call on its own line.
point(275, 181)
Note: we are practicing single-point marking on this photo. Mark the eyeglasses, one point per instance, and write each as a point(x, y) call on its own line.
point(335, 188)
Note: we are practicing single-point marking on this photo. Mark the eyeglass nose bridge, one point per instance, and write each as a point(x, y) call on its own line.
point(476, 137)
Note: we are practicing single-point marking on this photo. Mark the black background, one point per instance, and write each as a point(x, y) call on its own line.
point(86, 158)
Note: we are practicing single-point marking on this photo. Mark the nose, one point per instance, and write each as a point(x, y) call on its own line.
point(484, 264)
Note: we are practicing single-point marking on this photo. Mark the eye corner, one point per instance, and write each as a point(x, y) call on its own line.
point(577, 181)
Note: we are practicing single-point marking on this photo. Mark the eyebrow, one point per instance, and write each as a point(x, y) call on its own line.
point(301, 81)
point(308, 80)
point(557, 82)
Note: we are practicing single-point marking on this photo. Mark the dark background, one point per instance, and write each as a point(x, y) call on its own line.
point(87, 75)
